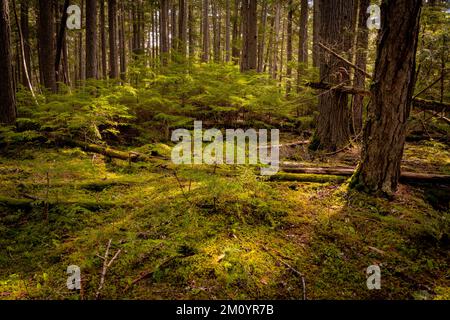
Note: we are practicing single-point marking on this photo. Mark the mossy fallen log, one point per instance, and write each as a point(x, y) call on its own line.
point(406, 177)
point(28, 204)
point(317, 178)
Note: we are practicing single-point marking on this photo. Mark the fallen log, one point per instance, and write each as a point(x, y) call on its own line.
point(406, 177)
point(30, 202)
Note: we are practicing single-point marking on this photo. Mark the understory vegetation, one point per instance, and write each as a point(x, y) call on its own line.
point(205, 232)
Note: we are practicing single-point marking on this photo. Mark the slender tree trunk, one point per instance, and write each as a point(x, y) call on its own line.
point(249, 50)
point(192, 30)
point(7, 94)
point(333, 125)
point(46, 39)
point(277, 22)
point(235, 51)
point(182, 27)
point(25, 27)
point(289, 54)
point(91, 39)
point(303, 41)
point(173, 26)
point(164, 31)
point(316, 32)
point(113, 50)
point(122, 44)
point(103, 39)
point(227, 31)
point(262, 36)
point(205, 31)
point(362, 45)
point(389, 110)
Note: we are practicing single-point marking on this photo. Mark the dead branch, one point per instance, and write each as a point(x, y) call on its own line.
point(106, 265)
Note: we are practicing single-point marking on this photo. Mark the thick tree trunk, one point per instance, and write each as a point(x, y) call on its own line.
point(333, 125)
point(113, 49)
point(394, 79)
point(46, 40)
point(91, 39)
point(7, 94)
point(249, 50)
point(362, 43)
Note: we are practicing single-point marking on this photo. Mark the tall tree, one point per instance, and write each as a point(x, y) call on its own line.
point(182, 27)
point(164, 30)
point(389, 110)
point(227, 31)
point(333, 125)
point(25, 29)
point(262, 36)
point(316, 31)
point(46, 41)
point(303, 41)
point(205, 31)
point(103, 40)
point(249, 49)
point(7, 95)
point(91, 39)
point(362, 44)
point(289, 54)
point(113, 49)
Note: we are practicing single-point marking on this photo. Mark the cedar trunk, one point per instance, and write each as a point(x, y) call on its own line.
point(389, 110)
point(46, 40)
point(91, 39)
point(333, 125)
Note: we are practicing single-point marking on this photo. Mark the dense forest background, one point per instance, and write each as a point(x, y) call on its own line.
point(359, 89)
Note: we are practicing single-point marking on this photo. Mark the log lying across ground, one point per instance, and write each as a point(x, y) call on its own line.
point(406, 177)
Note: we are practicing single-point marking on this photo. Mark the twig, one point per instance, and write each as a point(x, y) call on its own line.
point(106, 265)
point(290, 268)
point(345, 60)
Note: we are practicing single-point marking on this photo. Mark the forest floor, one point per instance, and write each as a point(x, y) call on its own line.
point(216, 233)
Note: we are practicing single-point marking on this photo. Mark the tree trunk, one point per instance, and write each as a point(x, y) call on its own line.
point(46, 40)
point(164, 31)
point(303, 41)
point(205, 31)
point(277, 21)
point(362, 44)
point(192, 31)
point(182, 27)
point(262, 36)
point(333, 125)
point(25, 27)
point(7, 94)
point(113, 50)
point(289, 46)
point(394, 79)
point(316, 32)
point(235, 52)
point(91, 39)
point(103, 39)
point(227, 31)
point(249, 50)
point(122, 45)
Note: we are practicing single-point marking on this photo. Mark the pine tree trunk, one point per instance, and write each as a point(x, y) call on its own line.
point(249, 50)
point(227, 31)
point(46, 40)
point(235, 52)
point(275, 46)
point(192, 31)
point(174, 26)
point(389, 110)
point(91, 39)
point(122, 45)
point(113, 50)
point(333, 125)
point(7, 94)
